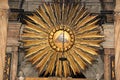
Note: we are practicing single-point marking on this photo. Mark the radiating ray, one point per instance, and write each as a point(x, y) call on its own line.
point(38, 21)
point(57, 66)
point(78, 16)
point(88, 28)
point(63, 13)
point(35, 27)
point(78, 59)
point(31, 35)
point(95, 43)
point(51, 64)
point(87, 49)
point(66, 11)
point(28, 43)
point(41, 65)
point(73, 65)
point(60, 66)
point(50, 13)
point(73, 13)
point(81, 15)
point(29, 31)
point(84, 56)
point(57, 12)
point(85, 21)
point(66, 68)
point(93, 34)
point(70, 14)
point(39, 55)
point(44, 16)
point(34, 49)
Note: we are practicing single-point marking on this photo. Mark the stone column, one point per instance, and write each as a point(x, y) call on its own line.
point(3, 34)
point(108, 52)
point(117, 39)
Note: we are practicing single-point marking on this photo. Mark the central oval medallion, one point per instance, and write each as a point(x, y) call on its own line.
point(61, 39)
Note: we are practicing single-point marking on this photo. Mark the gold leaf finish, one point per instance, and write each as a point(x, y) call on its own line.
point(61, 39)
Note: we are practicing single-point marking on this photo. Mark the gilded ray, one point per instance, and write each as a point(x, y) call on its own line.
point(57, 65)
point(60, 66)
point(66, 68)
point(32, 50)
point(85, 21)
point(88, 28)
point(93, 34)
point(94, 43)
point(39, 55)
point(44, 61)
point(84, 13)
point(50, 13)
point(73, 64)
point(85, 57)
point(31, 35)
point(78, 15)
point(51, 64)
point(87, 49)
point(44, 16)
point(57, 13)
point(66, 11)
point(34, 42)
point(63, 13)
point(78, 59)
point(72, 13)
point(34, 27)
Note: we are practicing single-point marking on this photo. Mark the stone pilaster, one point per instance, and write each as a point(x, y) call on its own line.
point(117, 40)
point(3, 34)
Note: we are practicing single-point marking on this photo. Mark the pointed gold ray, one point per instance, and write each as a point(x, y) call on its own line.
point(87, 49)
point(93, 34)
point(66, 11)
point(58, 65)
point(51, 64)
point(72, 13)
point(73, 64)
point(34, 27)
point(95, 43)
point(84, 56)
point(44, 16)
point(39, 55)
point(50, 13)
point(78, 16)
point(57, 12)
point(63, 13)
point(66, 68)
point(88, 28)
point(31, 35)
point(41, 65)
point(34, 49)
point(83, 13)
point(34, 42)
point(84, 21)
point(29, 31)
point(39, 21)
point(78, 59)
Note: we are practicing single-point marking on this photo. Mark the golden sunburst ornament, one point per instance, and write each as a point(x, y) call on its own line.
point(61, 39)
